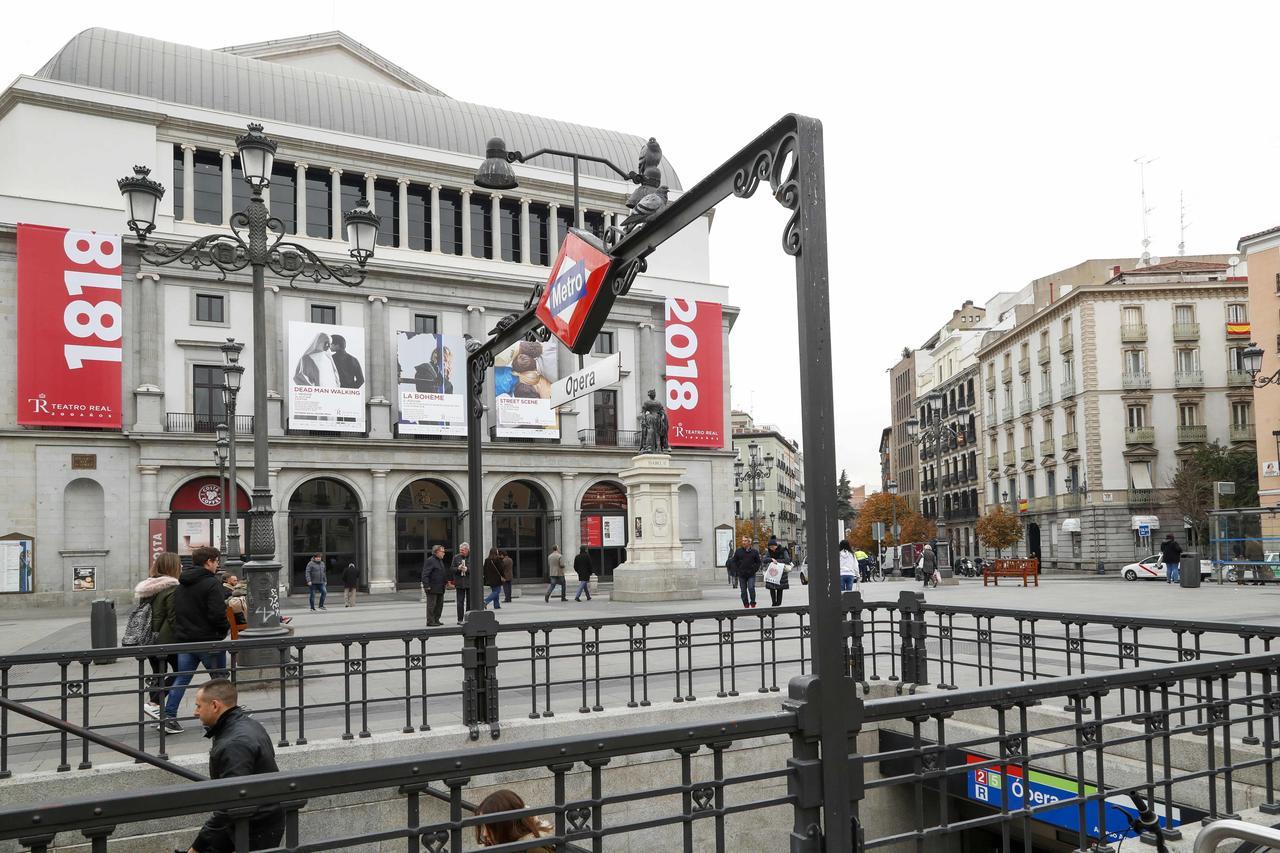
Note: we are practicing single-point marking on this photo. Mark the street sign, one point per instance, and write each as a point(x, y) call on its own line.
point(575, 302)
point(1144, 530)
point(593, 377)
point(877, 530)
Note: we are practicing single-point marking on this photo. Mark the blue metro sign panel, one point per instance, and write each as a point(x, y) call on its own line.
point(573, 291)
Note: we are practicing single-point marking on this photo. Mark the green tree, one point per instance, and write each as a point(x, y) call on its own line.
point(844, 499)
point(1192, 483)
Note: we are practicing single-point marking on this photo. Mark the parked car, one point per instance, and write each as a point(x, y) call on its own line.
point(1152, 568)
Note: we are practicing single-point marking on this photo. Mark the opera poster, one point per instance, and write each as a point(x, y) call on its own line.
point(431, 390)
point(326, 377)
point(522, 380)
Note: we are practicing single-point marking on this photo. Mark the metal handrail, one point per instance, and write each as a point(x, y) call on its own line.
point(1236, 629)
point(1219, 831)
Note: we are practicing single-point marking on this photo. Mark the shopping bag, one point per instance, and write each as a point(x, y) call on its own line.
point(773, 574)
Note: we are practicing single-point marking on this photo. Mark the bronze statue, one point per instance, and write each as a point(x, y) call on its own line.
point(653, 426)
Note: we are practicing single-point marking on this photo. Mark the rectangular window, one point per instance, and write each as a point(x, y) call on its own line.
point(419, 214)
point(1031, 487)
point(1050, 483)
point(1026, 349)
point(605, 412)
point(564, 221)
point(386, 203)
point(594, 220)
point(209, 308)
point(327, 314)
point(1183, 314)
point(1044, 380)
point(1235, 358)
point(319, 203)
point(1188, 359)
point(284, 195)
point(1237, 312)
point(1140, 475)
point(1071, 421)
point(1044, 339)
point(1131, 315)
point(604, 344)
point(1068, 371)
point(1188, 414)
point(1242, 413)
point(451, 222)
point(1135, 361)
point(540, 234)
point(509, 213)
point(208, 187)
point(351, 186)
point(425, 324)
point(481, 214)
point(1136, 416)
point(1066, 327)
point(179, 181)
point(206, 397)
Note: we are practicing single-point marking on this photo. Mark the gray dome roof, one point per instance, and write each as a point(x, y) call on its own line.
point(269, 91)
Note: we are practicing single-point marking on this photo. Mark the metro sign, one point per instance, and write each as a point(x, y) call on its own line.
point(575, 302)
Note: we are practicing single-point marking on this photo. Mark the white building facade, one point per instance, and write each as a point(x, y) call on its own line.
point(452, 260)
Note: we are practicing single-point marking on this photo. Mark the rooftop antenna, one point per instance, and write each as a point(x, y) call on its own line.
point(1183, 225)
point(1143, 162)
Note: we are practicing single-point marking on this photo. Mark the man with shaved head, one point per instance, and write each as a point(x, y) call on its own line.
point(241, 747)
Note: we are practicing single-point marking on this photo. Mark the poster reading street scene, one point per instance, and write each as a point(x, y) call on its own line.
point(432, 396)
point(522, 380)
point(326, 377)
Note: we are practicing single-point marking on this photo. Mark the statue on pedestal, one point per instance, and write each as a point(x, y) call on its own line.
point(653, 426)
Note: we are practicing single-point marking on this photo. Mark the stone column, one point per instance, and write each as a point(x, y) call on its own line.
point(435, 218)
point(495, 212)
point(524, 232)
point(376, 380)
point(335, 192)
point(148, 397)
point(381, 571)
point(403, 237)
point(300, 179)
point(369, 179)
point(553, 224)
point(569, 527)
point(646, 366)
point(582, 217)
point(188, 183)
point(226, 186)
point(466, 225)
point(150, 509)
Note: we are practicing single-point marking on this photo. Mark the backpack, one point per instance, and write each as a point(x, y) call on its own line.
point(137, 631)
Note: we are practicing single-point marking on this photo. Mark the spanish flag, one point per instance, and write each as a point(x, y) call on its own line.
point(1241, 329)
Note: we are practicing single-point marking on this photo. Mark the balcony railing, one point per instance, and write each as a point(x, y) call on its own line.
point(1186, 331)
point(1242, 432)
point(1068, 388)
point(1027, 454)
point(1066, 343)
point(1010, 457)
point(1193, 434)
point(1136, 381)
point(1006, 375)
point(1046, 398)
point(1132, 333)
point(1024, 406)
point(991, 382)
point(188, 422)
point(1047, 447)
point(1140, 435)
point(1239, 379)
point(609, 437)
point(1006, 414)
point(1188, 378)
point(1044, 355)
point(1141, 497)
point(993, 463)
point(1024, 364)
point(1070, 441)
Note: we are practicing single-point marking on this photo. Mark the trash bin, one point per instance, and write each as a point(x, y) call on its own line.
point(1189, 570)
point(102, 625)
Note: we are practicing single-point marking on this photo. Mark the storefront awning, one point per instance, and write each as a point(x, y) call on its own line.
point(1071, 525)
point(1150, 520)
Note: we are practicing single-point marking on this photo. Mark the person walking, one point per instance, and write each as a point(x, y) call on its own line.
point(746, 562)
point(317, 582)
point(460, 574)
point(199, 616)
point(508, 574)
point(433, 576)
point(582, 565)
point(555, 571)
point(493, 579)
point(775, 552)
point(928, 565)
point(240, 747)
point(1171, 554)
point(350, 583)
point(849, 567)
point(156, 591)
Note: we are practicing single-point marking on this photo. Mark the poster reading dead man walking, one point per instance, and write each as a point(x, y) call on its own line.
point(326, 377)
point(522, 380)
point(432, 396)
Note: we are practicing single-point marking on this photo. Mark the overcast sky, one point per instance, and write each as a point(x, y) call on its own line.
point(970, 147)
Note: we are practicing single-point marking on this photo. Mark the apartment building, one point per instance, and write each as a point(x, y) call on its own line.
point(1261, 252)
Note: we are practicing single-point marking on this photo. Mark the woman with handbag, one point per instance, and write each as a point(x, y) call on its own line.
point(777, 565)
point(156, 615)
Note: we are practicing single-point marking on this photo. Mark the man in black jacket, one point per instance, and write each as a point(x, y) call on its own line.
point(745, 563)
point(433, 582)
point(199, 615)
point(241, 747)
point(1171, 554)
point(348, 366)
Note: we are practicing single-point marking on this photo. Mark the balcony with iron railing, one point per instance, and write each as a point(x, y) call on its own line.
point(1188, 378)
point(1006, 414)
point(993, 463)
point(1197, 434)
point(1186, 331)
point(1006, 375)
point(201, 423)
point(1027, 454)
point(1046, 398)
point(1136, 381)
point(1010, 457)
point(991, 382)
point(1133, 333)
point(1066, 343)
point(609, 438)
point(1024, 364)
point(1241, 433)
point(1140, 435)
point(1024, 406)
point(1141, 497)
point(1070, 441)
point(1239, 379)
point(1068, 388)
point(1044, 355)
point(1047, 447)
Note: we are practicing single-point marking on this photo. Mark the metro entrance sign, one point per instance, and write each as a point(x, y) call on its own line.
point(575, 303)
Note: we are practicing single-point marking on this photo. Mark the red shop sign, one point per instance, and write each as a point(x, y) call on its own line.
point(204, 495)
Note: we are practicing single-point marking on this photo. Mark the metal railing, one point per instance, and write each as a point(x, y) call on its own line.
point(189, 422)
point(1186, 331)
point(1198, 434)
point(1133, 332)
point(1068, 388)
point(1188, 378)
point(609, 437)
point(1135, 381)
point(1139, 435)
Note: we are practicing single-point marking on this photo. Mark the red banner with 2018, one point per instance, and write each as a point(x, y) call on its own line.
point(70, 328)
point(695, 373)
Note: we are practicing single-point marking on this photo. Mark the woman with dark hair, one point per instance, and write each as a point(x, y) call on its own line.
point(848, 567)
point(496, 832)
point(493, 579)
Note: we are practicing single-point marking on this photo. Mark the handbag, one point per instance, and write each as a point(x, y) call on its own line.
point(773, 575)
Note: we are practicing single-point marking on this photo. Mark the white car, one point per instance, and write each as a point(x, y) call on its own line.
point(1152, 568)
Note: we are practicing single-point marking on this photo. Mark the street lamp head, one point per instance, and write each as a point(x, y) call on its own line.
point(362, 231)
point(768, 459)
point(257, 156)
point(231, 351)
point(220, 451)
point(141, 197)
point(1252, 357)
point(737, 466)
point(221, 431)
point(1004, 496)
point(913, 427)
point(495, 173)
point(892, 485)
point(231, 376)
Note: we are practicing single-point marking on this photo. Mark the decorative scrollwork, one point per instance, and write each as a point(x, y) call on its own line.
point(984, 636)
point(1074, 644)
point(478, 365)
point(415, 661)
point(726, 636)
point(355, 666)
point(806, 630)
point(222, 252)
point(1091, 733)
point(590, 648)
point(1015, 745)
point(703, 797)
point(436, 841)
point(945, 631)
point(1187, 654)
point(291, 261)
point(682, 639)
point(535, 295)
point(767, 633)
point(538, 334)
point(539, 652)
point(637, 644)
point(153, 682)
point(1128, 650)
point(626, 276)
point(578, 818)
point(929, 761)
point(1219, 712)
point(1027, 640)
point(771, 164)
point(77, 688)
point(1158, 721)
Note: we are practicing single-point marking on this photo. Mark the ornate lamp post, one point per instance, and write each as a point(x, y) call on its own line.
point(755, 471)
point(1252, 358)
point(232, 374)
point(892, 486)
point(256, 241)
point(934, 432)
point(220, 462)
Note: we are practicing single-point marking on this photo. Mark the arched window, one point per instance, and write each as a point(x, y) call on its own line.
point(84, 515)
point(324, 518)
point(520, 523)
point(603, 523)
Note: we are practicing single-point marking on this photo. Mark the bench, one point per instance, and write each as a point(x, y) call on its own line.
point(1025, 569)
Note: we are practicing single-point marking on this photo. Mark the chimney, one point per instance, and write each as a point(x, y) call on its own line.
point(1115, 271)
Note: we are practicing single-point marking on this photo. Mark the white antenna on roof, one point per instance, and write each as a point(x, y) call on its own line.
point(1183, 225)
point(1143, 162)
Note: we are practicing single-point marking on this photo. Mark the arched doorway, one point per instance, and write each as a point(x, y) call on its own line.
point(324, 517)
point(193, 516)
point(604, 527)
point(426, 516)
point(520, 521)
point(1033, 540)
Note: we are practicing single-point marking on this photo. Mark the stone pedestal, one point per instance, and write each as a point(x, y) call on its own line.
point(654, 570)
